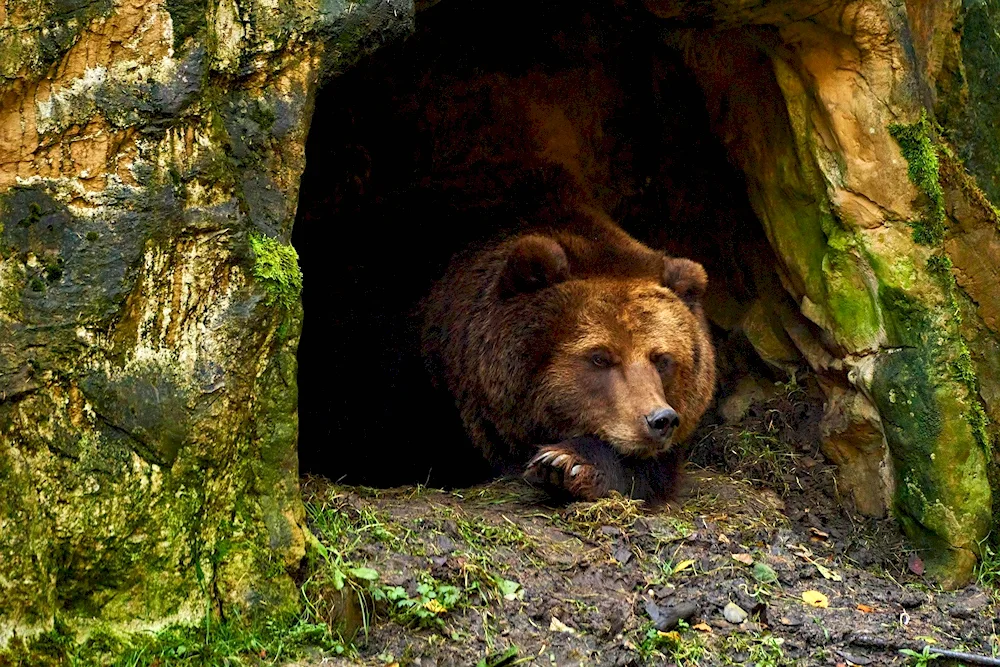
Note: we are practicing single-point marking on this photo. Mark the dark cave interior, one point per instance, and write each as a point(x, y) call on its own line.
point(421, 149)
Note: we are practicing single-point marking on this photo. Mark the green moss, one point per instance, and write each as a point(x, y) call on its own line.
point(188, 18)
point(972, 112)
point(232, 641)
point(926, 391)
point(276, 266)
point(850, 301)
point(924, 170)
point(939, 266)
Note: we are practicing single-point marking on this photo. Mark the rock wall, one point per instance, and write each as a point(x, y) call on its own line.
point(827, 108)
point(150, 156)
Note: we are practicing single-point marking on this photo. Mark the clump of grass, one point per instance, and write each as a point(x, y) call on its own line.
point(481, 534)
point(233, 641)
point(614, 510)
point(921, 658)
point(479, 560)
point(988, 567)
point(762, 650)
point(761, 458)
point(427, 607)
point(341, 591)
point(676, 646)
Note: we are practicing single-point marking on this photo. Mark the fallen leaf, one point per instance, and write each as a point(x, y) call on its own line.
point(683, 565)
point(801, 551)
point(435, 607)
point(511, 590)
point(764, 574)
point(916, 564)
point(815, 599)
point(723, 538)
point(865, 608)
point(819, 533)
point(558, 626)
point(673, 636)
point(827, 572)
point(365, 573)
point(746, 559)
point(702, 627)
point(925, 639)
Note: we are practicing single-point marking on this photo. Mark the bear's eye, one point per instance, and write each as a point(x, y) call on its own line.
point(601, 359)
point(664, 363)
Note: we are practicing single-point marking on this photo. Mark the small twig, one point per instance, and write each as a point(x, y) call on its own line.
point(966, 657)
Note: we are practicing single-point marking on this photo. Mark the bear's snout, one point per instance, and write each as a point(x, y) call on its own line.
point(661, 422)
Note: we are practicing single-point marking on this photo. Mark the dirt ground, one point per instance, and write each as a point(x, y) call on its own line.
point(495, 575)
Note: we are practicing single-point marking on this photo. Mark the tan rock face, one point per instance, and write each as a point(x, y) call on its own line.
point(147, 379)
point(833, 190)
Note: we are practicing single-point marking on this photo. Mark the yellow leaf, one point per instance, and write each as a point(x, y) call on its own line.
point(702, 627)
point(435, 607)
point(558, 626)
point(815, 599)
point(673, 636)
point(865, 609)
point(746, 559)
point(683, 565)
point(925, 639)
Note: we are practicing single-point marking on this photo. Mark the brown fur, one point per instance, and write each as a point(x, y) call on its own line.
point(512, 330)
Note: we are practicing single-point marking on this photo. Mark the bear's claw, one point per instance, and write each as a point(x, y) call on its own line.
point(563, 471)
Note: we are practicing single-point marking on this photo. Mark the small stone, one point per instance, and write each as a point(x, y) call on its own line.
point(734, 613)
point(855, 659)
point(444, 544)
point(623, 555)
point(967, 607)
point(667, 617)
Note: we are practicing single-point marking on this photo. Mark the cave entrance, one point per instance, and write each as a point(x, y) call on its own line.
point(420, 150)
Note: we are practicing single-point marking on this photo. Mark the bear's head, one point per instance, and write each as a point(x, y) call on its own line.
point(630, 358)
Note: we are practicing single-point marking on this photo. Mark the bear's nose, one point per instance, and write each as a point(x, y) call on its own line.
point(662, 422)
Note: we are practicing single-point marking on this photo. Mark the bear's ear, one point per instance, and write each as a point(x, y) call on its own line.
point(687, 279)
point(533, 263)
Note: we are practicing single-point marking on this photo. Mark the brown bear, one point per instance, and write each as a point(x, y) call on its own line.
point(575, 355)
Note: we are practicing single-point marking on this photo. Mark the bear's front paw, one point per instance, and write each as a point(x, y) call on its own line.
point(561, 470)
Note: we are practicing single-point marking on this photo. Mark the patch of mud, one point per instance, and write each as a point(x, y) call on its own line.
point(493, 575)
